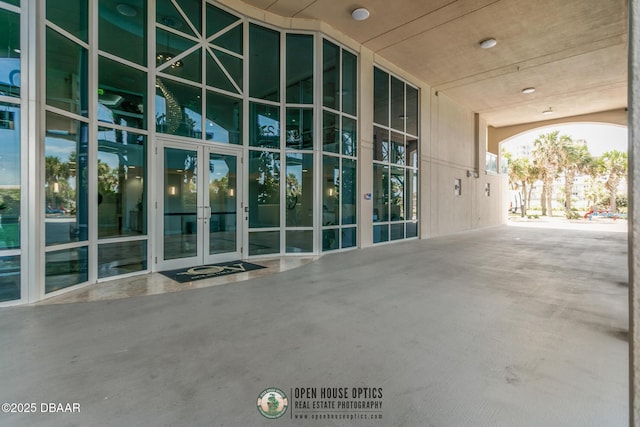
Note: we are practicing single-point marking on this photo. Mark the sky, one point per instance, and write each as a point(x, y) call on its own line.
point(600, 137)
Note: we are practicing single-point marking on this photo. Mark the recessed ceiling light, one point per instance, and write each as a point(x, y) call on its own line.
point(360, 14)
point(488, 43)
point(528, 90)
point(549, 111)
point(126, 10)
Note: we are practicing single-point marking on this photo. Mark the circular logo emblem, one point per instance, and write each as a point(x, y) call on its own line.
point(272, 403)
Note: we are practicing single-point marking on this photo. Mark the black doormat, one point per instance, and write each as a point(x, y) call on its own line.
point(183, 275)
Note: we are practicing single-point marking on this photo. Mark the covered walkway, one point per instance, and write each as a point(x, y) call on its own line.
point(506, 326)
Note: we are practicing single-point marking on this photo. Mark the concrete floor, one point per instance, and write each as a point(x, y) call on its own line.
point(508, 326)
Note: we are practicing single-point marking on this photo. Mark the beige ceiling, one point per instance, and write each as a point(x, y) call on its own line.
point(574, 52)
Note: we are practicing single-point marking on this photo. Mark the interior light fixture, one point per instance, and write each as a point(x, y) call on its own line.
point(162, 57)
point(549, 111)
point(126, 10)
point(360, 14)
point(488, 43)
point(528, 90)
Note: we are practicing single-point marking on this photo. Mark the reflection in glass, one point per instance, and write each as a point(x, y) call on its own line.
point(412, 152)
point(264, 189)
point(411, 195)
point(380, 233)
point(180, 203)
point(122, 94)
point(10, 54)
point(397, 194)
point(299, 128)
point(168, 15)
point(189, 67)
point(299, 190)
point(412, 110)
point(412, 229)
point(349, 137)
point(299, 241)
point(9, 278)
point(66, 268)
point(397, 231)
point(330, 190)
point(218, 20)
point(70, 15)
point(398, 115)
point(217, 78)
point(349, 190)
point(264, 242)
point(349, 237)
point(178, 109)
point(122, 258)
point(122, 204)
point(223, 200)
point(264, 67)
point(380, 97)
point(330, 239)
point(66, 180)
point(349, 83)
point(264, 125)
point(397, 148)
point(66, 74)
point(330, 75)
point(131, 29)
point(330, 132)
point(193, 10)
point(9, 176)
point(380, 193)
point(224, 118)
point(299, 69)
point(380, 144)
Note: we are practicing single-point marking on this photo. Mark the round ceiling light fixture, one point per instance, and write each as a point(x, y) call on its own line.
point(528, 90)
point(126, 10)
point(488, 43)
point(360, 14)
point(549, 111)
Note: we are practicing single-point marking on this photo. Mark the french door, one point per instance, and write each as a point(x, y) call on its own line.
point(202, 220)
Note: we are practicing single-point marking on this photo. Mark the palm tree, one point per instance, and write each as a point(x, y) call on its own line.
point(519, 170)
point(577, 160)
point(613, 166)
point(548, 156)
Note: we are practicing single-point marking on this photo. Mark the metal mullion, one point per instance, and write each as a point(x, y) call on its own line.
point(65, 113)
point(222, 68)
point(66, 246)
point(178, 57)
point(222, 31)
point(11, 8)
point(92, 155)
point(67, 34)
point(114, 126)
point(175, 32)
point(237, 95)
point(185, 16)
point(122, 239)
point(122, 61)
point(179, 79)
point(11, 99)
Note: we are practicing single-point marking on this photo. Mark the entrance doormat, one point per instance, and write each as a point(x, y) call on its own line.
point(184, 275)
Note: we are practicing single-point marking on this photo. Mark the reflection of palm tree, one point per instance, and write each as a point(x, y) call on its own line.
point(293, 191)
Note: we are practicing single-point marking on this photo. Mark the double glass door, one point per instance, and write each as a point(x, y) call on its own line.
point(201, 219)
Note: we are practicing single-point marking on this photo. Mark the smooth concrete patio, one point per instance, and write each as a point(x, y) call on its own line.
point(508, 326)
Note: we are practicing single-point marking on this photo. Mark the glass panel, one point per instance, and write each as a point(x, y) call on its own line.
point(66, 74)
point(9, 176)
point(397, 194)
point(412, 229)
point(122, 258)
point(231, 40)
point(349, 137)
point(180, 203)
point(265, 242)
point(300, 128)
point(13, 2)
point(216, 77)
point(167, 14)
point(398, 114)
point(224, 118)
point(397, 231)
point(264, 125)
point(397, 148)
point(411, 195)
point(349, 83)
point(349, 191)
point(380, 193)
point(264, 189)
point(380, 144)
point(66, 268)
point(170, 45)
point(412, 152)
point(380, 97)
point(299, 190)
point(223, 200)
point(299, 69)
point(330, 239)
point(330, 75)
point(66, 180)
point(193, 10)
point(380, 233)
point(178, 109)
point(10, 53)
point(189, 67)
point(264, 67)
point(299, 241)
point(70, 15)
point(218, 19)
point(9, 278)
point(122, 29)
point(412, 110)
point(330, 190)
point(330, 132)
point(349, 237)
point(122, 94)
point(232, 64)
point(122, 202)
